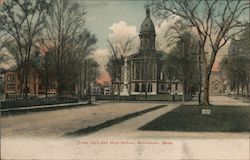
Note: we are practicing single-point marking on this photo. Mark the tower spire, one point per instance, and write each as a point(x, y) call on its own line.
point(147, 10)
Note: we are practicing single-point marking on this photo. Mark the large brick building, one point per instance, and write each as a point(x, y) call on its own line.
point(35, 86)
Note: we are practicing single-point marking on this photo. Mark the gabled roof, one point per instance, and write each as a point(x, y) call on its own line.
point(217, 80)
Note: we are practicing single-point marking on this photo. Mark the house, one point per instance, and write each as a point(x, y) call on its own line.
point(216, 83)
point(35, 83)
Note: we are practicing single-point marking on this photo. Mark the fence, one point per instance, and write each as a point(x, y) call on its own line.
point(162, 97)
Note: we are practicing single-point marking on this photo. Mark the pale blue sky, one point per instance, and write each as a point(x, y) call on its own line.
point(104, 13)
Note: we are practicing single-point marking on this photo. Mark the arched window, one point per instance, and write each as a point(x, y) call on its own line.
point(149, 87)
point(143, 87)
point(137, 87)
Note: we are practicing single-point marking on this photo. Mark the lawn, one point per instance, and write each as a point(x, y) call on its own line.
point(189, 118)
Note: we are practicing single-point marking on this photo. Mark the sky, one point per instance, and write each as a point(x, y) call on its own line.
point(116, 20)
point(101, 15)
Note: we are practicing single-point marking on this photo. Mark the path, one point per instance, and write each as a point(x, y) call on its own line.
point(224, 100)
point(58, 122)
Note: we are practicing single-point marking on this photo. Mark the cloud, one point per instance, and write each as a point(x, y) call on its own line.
point(161, 29)
point(121, 31)
point(163, 26)
point(8, 59)
point(101, 56)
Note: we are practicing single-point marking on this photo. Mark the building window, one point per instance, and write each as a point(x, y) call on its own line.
point(137, 70)
point(162, 87)
point(137, 87)
point(11, 77)
point(11, 86)
point(216, 87)
point(176, 86)
point(149, 87)
point(53, 86)
point(143, 88)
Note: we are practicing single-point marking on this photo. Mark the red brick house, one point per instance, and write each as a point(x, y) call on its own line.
point(35, 85)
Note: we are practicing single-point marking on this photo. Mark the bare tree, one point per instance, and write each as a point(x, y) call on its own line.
point(214, 21)
point(184, 55)
point(23, 21)
point(69, 41)
point(237, 64)
point(118, 51)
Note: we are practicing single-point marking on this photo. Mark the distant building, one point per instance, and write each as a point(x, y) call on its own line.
point(107, 91)
point(35, 86)
point(217, 85)
point(144, 67)
point(96, 90)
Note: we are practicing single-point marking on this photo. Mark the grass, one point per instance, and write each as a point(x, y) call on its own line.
point(189, 118)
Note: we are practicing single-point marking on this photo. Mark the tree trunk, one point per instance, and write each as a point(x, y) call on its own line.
point(112, 87)
point(205, 100)
point(26, 88)
point(200, 85)
point(184, 90)
point(242, 89)
point(238, 89)
point(247, 90)
point(26, 83)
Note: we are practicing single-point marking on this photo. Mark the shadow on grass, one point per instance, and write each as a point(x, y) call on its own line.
point(111, 122)
point(189, 118)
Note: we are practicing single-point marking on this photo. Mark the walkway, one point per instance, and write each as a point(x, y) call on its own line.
point(58, 122)
point(224, 100)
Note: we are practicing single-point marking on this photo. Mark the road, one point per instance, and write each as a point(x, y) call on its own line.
point(57, 123)
point(224, 100)
point(119, 141)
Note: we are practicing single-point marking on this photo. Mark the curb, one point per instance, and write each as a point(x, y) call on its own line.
point(41, 108)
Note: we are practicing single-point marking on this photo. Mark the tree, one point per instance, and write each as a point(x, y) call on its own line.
point(23, 21)
point(236, 64)
point(118, 50)
point(214, 21)
point(183, 61)
point(69, 42)
point(183, 58)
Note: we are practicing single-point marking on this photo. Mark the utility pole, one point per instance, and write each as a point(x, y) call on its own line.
point(46, 75)
point(146, 80)
point(85, 77)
